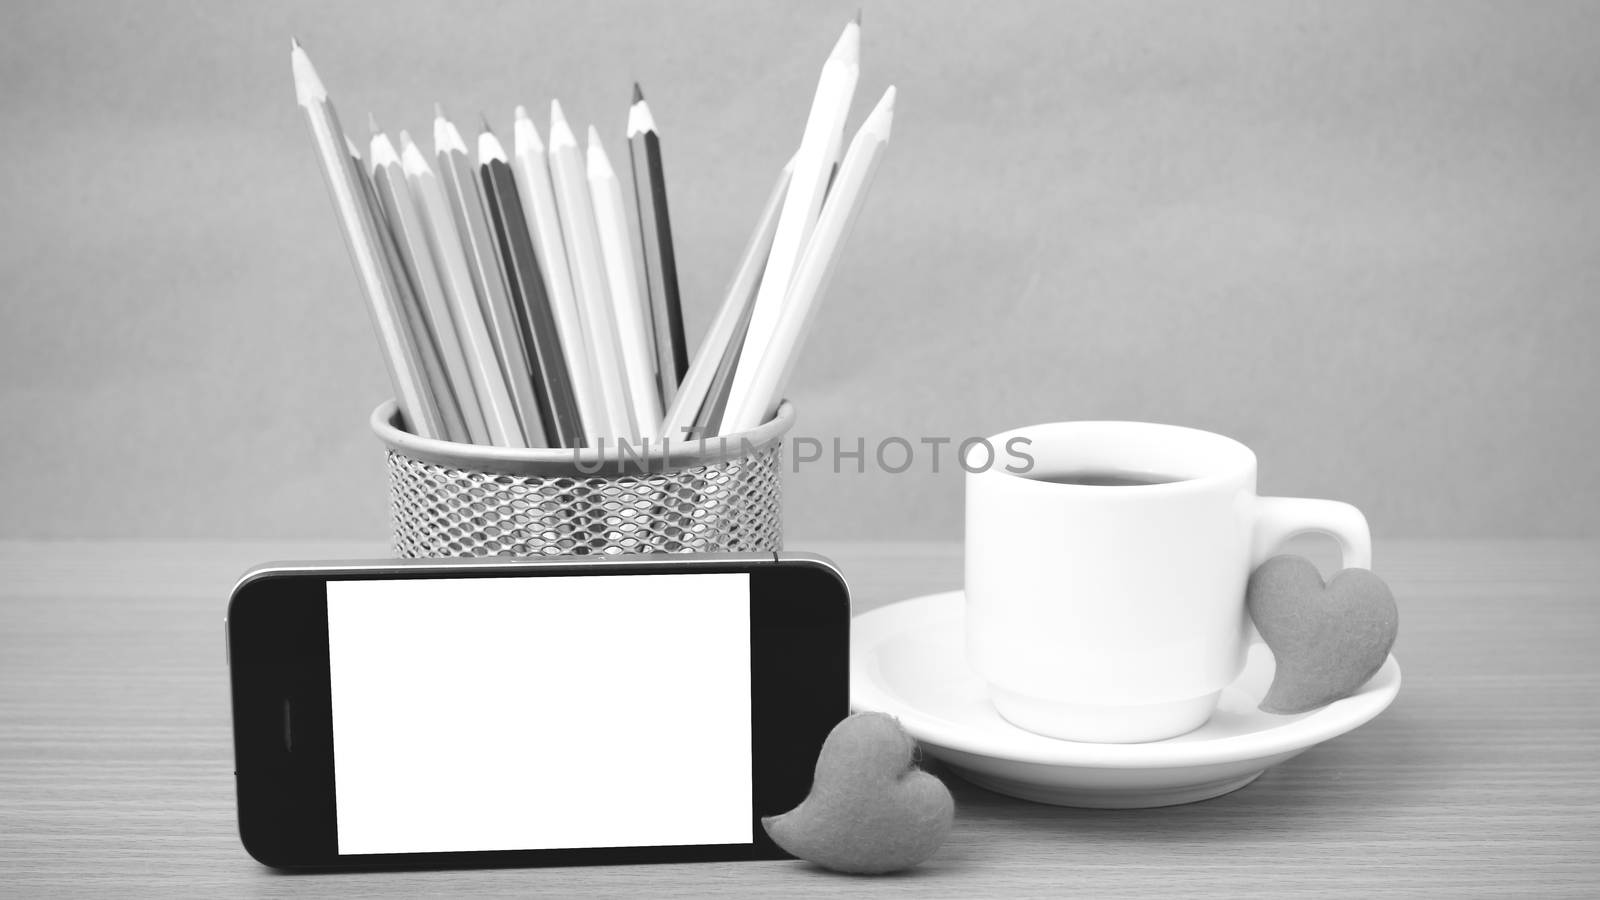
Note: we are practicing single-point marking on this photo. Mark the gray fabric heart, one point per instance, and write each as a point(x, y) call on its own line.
point(870, 810)
point(1327, 639)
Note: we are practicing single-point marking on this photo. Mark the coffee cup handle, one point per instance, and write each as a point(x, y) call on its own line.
point(1280, 518)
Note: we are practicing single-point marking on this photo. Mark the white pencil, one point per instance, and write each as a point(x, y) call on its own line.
point(691, 396)
point(812, 166)
point(360, 234)
point(627, 301)
point(531, 167)
point(770, 374)
point(411, 237)
point(569, 176)
point(450, 262)
point(836, 140)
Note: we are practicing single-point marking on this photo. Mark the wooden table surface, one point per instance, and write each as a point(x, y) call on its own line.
point(1482, 779)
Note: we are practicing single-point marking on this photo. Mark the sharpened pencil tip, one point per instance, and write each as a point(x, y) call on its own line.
point(294, 43)
point(521, 112)
point(489, 148)
point(411, 160)
point(525, 135)
point(383, 152)
point(438, 111)
point(308, 87)
point(561, 134)
point(638, 95)
point(599, 165)
point(372, 124)
point(446, 139)
point(848, 48)
point(858, 17)
point(484, 119)
point(640, 120)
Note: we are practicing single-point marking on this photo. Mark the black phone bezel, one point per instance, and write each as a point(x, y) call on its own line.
point(283, 731)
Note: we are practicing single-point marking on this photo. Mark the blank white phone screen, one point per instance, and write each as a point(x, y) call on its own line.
point(539, 713)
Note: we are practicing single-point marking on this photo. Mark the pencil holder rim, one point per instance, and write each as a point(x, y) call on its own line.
point(585, 462)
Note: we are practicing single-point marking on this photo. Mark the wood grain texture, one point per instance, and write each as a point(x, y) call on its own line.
point(1483, 779)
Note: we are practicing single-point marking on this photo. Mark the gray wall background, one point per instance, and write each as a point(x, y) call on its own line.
point(1359, 236)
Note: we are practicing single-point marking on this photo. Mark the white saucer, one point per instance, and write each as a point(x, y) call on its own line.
point(908, 659)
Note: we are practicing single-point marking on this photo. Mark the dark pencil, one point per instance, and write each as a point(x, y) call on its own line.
point(709, 421)
point(660, 269)
point(558, 405)
point(460, 181)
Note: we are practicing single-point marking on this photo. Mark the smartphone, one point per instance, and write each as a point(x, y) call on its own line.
point(531, 712)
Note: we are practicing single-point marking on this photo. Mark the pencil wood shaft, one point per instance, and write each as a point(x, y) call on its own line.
point(712, 413)
point(658, 262)
point(567, 172)
point(557, 406)
point(709, 421)
point(812, 168)
point(531, 166)
point(343, 178)
point(483, 261)
point(489, 381)
point(427, 350)
point(726, 332)
point(412, 241)
point(627, 305)
point(769, 374)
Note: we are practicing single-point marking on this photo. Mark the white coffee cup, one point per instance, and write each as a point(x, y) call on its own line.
point(1116, 613)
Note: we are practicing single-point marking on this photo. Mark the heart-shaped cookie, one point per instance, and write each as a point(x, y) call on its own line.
point(1327, 639)
point(870, 810)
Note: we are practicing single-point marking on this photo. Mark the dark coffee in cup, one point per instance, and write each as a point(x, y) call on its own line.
point(1105, 478)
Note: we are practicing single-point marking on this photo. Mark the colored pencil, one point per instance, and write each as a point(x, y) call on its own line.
point(557, 406)
point(531, 166)
point(444, 246)
point(483, 261)
point(524, 299)
point(627, 306)
point(768, 377)
point(812, 167)
point(658, 263)
point(568, 174)
point(709, 422)
point(415, 317)
point(405, 221)
point(452, 425)
point(723, 338)
point(344, 180)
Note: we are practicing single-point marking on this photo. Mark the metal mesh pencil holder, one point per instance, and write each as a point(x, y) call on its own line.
point(723, 494)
